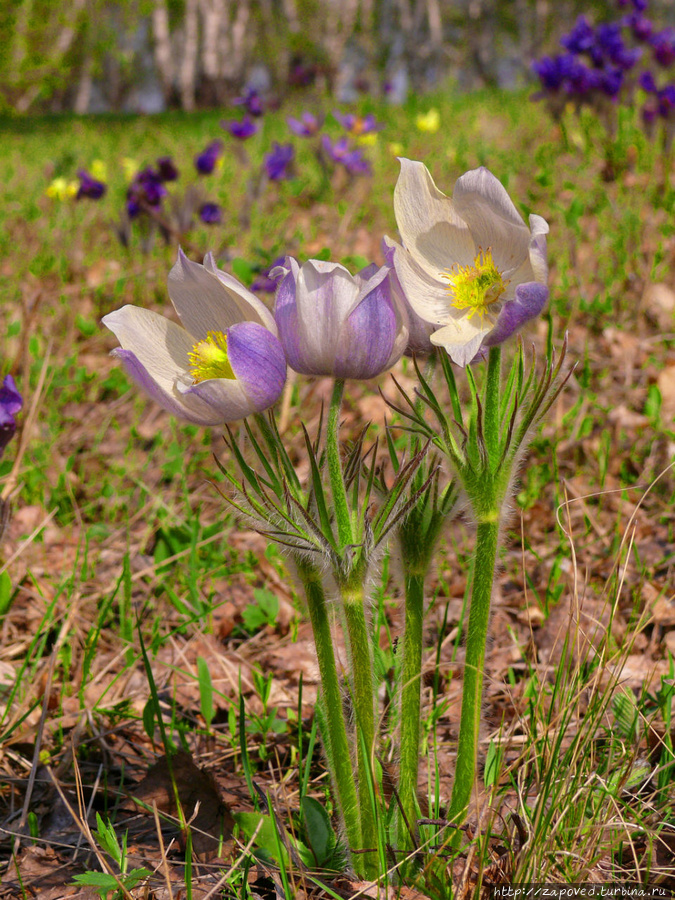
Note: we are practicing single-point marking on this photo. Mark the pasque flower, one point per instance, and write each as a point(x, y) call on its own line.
point(469, 264)
point(205, 162)
point(242, 129)
point(222, 365)
point(278, 161)
point(334, 323)
point(89, 186)
point(11, 402)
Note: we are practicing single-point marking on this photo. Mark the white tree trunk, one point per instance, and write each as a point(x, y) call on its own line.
point(162, 46)
point(188, 66)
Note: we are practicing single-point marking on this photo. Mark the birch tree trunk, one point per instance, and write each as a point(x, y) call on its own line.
point(188, 66)
point(161, 34)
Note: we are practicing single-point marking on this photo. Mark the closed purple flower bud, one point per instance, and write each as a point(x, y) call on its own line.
point(581, 38)
point(306, 126)
point(166, 169)
point(242, 129)
point(663, 44)
point(206, 161)
point(89, 187)
point(333, 323)
point(210, 214)
point(278, 162)
point(11, 402)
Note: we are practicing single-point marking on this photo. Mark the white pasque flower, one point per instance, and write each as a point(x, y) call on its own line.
point(469, 265)
point(226, 361)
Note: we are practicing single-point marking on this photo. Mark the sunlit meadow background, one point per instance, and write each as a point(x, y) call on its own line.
point(126, 584)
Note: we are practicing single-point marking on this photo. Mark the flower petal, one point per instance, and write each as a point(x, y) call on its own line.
point(257, 359)
point(461, 339)
point(430, 227)
point(427, 296)
point(254, 308)
point(367, 338)
point(204, 303)
point(529, 301)
point(155, 354)
point(495, 223)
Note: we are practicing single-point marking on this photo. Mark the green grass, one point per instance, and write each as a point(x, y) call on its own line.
point(119, 529)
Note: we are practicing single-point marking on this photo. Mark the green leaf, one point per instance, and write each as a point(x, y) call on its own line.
point(6, 592)
point(320, 833)
point(205, 691)
point(243, 270)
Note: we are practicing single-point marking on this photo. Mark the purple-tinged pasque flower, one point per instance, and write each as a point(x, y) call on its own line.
point(166, 169)
point(343, 154)
point(251, 101)
point(581, 38)
point(278, 161)
point(11, 402)
point(264, 281)
point(419, 331)
point(242, 129)
point(334, 323)
point(358, 125)
point(205, 162)
point(640, 25)
point(226, 361)
point(663, 45)
point(306, 126)
point(469, 265)
point(211, 213)
point(89, 187)
point(146, 190)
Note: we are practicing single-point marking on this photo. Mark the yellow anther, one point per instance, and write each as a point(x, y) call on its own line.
point(476, 287)
point(209, 359)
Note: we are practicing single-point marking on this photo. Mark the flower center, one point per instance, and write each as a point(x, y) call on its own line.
point(209, 359)
point(476, 287)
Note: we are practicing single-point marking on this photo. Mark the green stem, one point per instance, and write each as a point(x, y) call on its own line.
point(364, 709)
point(476, 637)
point(337, 483)
point(410, 711)
point(492, 399)
point(338, 748)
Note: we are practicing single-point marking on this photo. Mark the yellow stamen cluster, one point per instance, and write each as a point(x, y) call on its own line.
point(476, 287)
point(209, 359)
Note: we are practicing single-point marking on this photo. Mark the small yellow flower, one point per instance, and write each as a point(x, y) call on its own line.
point(99, 170)
point(395, 148)
point(429, 122)
point(62, 189)
point(130, 168)
point(367, 140)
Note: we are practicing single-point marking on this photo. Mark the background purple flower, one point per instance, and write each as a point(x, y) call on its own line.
point(357, 125)
point(251, 101)
point(166, 169)
point(306, 126)
point(147, 189)
point(263, 282)
point(210, 214)
point(242, 129)
point(89, 187)
point(11, 402)
point(206, 161)
point(278, 161)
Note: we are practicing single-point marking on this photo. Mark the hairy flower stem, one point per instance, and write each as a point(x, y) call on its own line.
point(476, 638)
point(363, 689)
point(338, 749)
point(410, 711)
point(337, 482)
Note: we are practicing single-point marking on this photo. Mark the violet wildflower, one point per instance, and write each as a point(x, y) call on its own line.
point(358, 125)
point(306, 126)
point(251, 101)
point(334, 323)
point(146, 190)
point(166, 169)
point(468, 265)
point(242, 129)
point(11, 402)
point(663, 45)
point(264, 281)
point(341, 153)
point(89, 187)
point(211, 214)
point(205, 162)
point(222, 365)
point(278, 161)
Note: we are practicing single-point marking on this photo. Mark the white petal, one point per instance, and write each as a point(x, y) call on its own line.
point(224, 395)
point(483, 203)
point(204, 303)
point(428, 296)
point(161, 347)
point(461, 339)
point(430, 227)
point(326, 293)
point(258, 312)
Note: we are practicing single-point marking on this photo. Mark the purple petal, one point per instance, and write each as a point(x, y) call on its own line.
point(257, 359)
point(11, 400)
point(367, 337)
point(529, 301)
